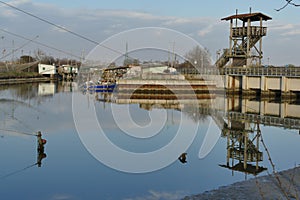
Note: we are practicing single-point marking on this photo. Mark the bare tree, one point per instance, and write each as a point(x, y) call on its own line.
point(288, 2)
point(199, 57)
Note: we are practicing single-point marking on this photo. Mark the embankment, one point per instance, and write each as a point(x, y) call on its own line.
point(20, 77)
point(281, 185)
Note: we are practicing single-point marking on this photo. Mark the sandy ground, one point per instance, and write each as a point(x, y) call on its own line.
point(282, 185)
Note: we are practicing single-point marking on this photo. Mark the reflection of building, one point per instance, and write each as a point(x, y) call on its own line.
point(242, 148)
point(165, 89)
point(66, 86)
point(46, 89)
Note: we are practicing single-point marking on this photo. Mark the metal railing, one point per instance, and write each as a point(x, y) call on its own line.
point(260, 71)
point(248, 71)
point(266, 120)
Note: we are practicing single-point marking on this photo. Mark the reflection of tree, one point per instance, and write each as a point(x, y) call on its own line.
point(197, 113)
point(22, 91)
point(25, 91)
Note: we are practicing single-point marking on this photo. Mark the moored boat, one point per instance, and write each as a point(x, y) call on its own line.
point(99, 87)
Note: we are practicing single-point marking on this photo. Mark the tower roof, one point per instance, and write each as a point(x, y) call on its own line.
point(251, 16)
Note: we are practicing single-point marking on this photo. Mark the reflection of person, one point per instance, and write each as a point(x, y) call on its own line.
point(182, 158)
point(40, 149)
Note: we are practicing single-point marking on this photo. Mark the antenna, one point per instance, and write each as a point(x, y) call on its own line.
point(126, 61)
point(236, 13)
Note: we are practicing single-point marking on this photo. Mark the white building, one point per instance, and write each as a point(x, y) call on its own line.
point(46, 69)
point(69, 69)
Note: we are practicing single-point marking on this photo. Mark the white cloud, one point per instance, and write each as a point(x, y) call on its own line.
point(205, 31)
point(101, 13)
point(281, 27)
point(18, 2)
point(99, 24)
point(62, 197)
point(285, 29)
point(8, 13)
point(173, 21)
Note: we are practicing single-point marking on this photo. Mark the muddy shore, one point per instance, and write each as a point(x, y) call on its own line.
point(281, 185)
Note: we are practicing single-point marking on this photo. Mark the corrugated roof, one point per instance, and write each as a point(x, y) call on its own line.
point(245, 17)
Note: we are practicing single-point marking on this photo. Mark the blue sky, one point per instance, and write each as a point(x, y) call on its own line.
point(188, 8)
point(99, 20)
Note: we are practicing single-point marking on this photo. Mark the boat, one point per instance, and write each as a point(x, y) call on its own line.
point(100, 86)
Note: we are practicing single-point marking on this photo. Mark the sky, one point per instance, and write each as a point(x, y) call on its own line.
point(99, 20)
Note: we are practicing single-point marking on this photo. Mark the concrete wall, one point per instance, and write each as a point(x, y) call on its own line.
point(254, 82)
point(273, 83)
point(263, 83)
point(265, 108)
point(271, 109)
point(293, 84)
point(292, 111)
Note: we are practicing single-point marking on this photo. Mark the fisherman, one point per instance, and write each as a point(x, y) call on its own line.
point(40, 149)
point(182, 158)
point(41, 142)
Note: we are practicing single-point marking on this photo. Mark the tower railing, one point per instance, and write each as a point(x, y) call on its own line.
point(254, 31)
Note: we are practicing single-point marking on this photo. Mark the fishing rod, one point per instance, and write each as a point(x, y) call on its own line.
point(17, 171)
point(13, 131)
point(21, 122)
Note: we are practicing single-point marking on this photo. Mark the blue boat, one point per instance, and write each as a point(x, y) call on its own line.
point(100, 87)
point(105, 86)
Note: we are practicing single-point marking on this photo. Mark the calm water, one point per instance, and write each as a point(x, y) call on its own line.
point(69, 171)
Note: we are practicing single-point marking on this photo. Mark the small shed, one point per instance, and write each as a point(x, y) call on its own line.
point(44, 69)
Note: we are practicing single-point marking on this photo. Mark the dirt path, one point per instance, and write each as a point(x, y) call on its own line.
point(282, 185)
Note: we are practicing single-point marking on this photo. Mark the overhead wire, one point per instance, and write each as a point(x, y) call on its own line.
point(49, 22)
point(62, 28)
point(14, 50)
point(40, 43)
point(13, 131)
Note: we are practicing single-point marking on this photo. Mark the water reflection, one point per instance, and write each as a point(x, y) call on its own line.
point(40, 152)
point(239, 122)
point(243, 148)
point(41, 149)
point(24, 108)
point(234, 121)
point(196, 109)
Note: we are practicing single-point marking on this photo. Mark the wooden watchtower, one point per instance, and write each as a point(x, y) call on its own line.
point(246, 31)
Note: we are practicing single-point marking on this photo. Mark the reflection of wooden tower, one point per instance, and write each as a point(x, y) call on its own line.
point(242, 146)
point(243, 38)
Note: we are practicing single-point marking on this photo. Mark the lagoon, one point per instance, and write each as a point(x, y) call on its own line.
point(71, 170)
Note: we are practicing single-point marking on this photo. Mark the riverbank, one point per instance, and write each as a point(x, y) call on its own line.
point(21, 77)
point(281, 185)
